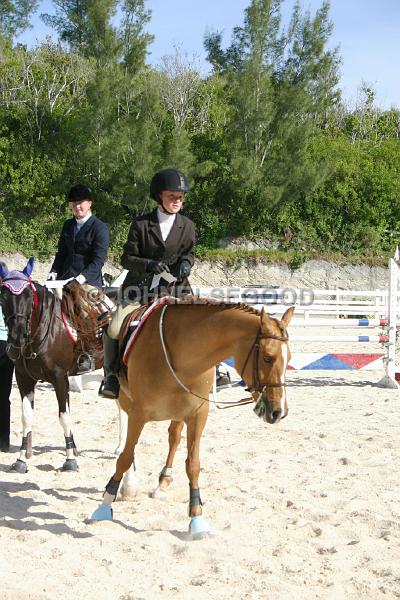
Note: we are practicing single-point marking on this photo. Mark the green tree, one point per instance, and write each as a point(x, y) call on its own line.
point(118, 122)
point(138, 110)
point(134, 38)
point(280, 84)
point(70, 22)
point(42, 86)
point(15, 16)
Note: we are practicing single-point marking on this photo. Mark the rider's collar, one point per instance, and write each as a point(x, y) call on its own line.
point(84, 219)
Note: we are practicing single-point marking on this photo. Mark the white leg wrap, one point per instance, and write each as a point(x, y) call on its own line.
point(27, 416)
point(27, 422)
point(166, 472)
point(108, 499)
point(65, 422)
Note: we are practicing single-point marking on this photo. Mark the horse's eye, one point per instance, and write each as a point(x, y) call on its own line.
point(268, 360)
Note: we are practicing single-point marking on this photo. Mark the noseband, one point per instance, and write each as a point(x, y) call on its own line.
point(256, 385)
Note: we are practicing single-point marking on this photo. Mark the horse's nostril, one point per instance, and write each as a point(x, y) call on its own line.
point(276, 414)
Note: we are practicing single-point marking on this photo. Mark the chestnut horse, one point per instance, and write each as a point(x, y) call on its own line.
point(170, 371)
point(42, 350)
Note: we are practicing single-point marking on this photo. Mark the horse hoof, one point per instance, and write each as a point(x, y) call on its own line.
point(19, 466)
point(159, 494)
point(129, 492)
point(70, 465)
point(102, 513)
point(198, 528)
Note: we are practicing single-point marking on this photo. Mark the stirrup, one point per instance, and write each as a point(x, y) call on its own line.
point(85, 363)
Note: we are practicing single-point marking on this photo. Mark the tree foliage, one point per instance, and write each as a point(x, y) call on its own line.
point(271, 150)
point(70, 22)
point(15, 16)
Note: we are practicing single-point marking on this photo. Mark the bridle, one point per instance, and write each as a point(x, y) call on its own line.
point(255, 387)
point(26, 349)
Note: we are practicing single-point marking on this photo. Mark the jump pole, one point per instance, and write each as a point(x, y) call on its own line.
point(382, 339)
point(389, 379)
point(346, 360)
point(339, 323)
point(390, 324)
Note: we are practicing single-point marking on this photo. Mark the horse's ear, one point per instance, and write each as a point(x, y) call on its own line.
point(29, 267)
point(265, 318)
point(3, 271)
point(287, 317)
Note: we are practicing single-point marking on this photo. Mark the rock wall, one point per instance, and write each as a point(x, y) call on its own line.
point(313, 274)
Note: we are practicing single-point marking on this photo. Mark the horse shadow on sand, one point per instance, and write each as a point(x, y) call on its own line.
point(44, 449)
point(16, 510)
point(183, 536)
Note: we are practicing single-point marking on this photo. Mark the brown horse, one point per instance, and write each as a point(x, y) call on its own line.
point(171, 371)
point(43, 350)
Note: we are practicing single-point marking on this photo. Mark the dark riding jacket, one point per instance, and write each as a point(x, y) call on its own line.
point(145, 244)
point(83, 252)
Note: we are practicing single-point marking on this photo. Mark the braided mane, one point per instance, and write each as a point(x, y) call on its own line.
point(207, 301)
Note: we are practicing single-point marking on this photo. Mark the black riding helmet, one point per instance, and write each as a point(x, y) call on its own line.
point(168, 179)
point(79, 192)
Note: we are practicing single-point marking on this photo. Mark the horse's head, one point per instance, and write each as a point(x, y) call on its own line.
point(264, 371)
point(17, 299)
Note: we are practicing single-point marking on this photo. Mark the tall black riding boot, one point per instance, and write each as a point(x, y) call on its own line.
point(6, 375)
point(110, 385)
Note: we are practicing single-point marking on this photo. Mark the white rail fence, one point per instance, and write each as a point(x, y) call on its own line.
point(308, 302)
point(334, 308)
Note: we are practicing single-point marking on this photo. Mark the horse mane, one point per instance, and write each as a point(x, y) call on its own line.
point(46, 293)
point(208, 301)
point(86, 324)
point(84, 318)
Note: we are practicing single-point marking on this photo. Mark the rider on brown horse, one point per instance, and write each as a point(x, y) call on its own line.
point(159, 247)
point(82, 250)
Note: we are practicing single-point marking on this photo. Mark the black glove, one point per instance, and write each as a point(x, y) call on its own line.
point(157, 267)
point(184, 269)
point(70, 285)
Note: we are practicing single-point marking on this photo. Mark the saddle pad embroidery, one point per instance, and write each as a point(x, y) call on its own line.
point(73, 334)
point(139, 324)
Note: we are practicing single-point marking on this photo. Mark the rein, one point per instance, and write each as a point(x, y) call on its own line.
point(256, 386)
point(51, 311)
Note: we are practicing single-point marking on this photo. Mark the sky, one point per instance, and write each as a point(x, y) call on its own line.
point(367, 33)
